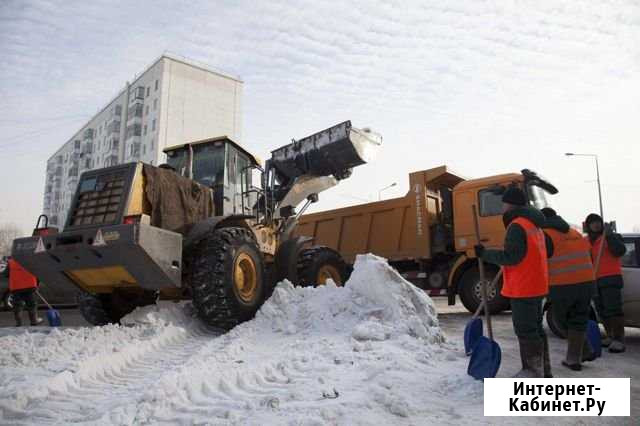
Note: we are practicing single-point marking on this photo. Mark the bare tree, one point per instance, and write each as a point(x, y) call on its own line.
point(8, 232)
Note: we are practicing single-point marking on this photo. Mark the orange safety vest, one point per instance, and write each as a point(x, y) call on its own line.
point(19, 278)
point(609, 264)
point(530, 277)
point(571, 261)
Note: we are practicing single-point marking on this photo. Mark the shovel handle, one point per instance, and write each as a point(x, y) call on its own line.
point(487, 315)
point(43, 299)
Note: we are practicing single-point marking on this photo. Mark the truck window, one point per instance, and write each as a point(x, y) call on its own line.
point(490, 203)
point(537, 197)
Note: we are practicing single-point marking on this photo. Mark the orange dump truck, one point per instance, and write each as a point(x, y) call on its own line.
point(428, 235)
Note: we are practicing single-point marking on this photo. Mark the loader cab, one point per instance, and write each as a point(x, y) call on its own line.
point(224, 166)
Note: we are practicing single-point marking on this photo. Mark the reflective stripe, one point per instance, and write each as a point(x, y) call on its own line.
point(570, 256)
point(572, 268)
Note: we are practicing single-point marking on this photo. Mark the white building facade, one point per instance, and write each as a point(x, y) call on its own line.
point(172, 102)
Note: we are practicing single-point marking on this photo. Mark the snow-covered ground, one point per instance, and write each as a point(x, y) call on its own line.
point(368, 353)
point(371, 352)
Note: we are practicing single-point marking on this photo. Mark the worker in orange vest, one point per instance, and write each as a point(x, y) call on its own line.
point(608, 298)
point(571, 286)
point(526, 278)
point(23, 286)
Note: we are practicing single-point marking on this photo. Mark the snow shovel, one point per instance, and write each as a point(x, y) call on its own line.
point(486, 354)
point(473, 329)
point(53, 316)
point(593, 338)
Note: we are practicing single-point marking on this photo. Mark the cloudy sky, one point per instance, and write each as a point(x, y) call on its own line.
point(484, 87)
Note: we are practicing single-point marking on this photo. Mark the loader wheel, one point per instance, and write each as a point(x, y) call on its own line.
point(227, 277)
point(470, 291)
point(94, 309)
point(318, 264)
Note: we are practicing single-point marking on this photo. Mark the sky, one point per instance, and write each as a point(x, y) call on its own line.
point(483, 87)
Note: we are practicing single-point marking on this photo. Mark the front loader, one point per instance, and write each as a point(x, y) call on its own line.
point(212, 224)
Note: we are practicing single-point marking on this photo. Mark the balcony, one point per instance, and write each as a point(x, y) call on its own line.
point(113, 127)
point(87, 148)
point(137, 93)
point(88, 134)
point(134, 130)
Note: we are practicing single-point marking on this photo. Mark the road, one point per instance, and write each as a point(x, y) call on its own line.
point(453, 320)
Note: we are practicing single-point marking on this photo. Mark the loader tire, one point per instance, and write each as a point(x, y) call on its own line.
point(469, 290)
point(317, 264)
point(227, 277)
point(94, 309)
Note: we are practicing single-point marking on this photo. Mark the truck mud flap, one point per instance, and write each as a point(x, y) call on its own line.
point(99, 260)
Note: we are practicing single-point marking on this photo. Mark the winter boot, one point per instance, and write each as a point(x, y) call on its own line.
point(575, 342)
point(34, 318)
point(18, 317)
point(532, 355)
point(606, 339)
point(617, 339)
point(546, 360)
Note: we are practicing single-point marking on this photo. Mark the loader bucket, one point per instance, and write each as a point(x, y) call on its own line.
point(334, 151)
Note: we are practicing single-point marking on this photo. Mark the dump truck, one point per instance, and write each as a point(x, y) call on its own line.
point(213, 225)
point(428, 235)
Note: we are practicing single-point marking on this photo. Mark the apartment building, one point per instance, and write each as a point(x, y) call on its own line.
point(171, 102)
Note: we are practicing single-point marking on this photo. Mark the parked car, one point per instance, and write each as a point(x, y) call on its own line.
point(630, 291)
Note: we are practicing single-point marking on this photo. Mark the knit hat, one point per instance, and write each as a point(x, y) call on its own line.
point(548, 212)
point(593, 218)
point(514, 195)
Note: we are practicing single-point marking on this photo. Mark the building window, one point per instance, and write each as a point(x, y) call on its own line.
point(146, 110)
point(156, 85)
point(148, 88)
point(153, 125)
point(155, 104)
point(144, 149)
point(144, 132)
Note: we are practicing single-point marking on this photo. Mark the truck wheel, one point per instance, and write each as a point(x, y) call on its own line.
point(470, 291)
point(318, 264)
point(94, 309)
point(227, 277)
point(553, 324)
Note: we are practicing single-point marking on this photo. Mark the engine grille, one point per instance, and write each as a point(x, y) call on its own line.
point(100, 205)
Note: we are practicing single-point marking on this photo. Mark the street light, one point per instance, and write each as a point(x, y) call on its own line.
point(384, 189)
point(570, 154)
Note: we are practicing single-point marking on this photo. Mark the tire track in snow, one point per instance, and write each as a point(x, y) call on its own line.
point(102, 383)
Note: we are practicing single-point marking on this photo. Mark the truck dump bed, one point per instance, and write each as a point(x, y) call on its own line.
point(397, 229)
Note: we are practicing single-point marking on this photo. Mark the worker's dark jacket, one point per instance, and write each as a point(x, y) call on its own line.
point(515, 242)
point(608, 299)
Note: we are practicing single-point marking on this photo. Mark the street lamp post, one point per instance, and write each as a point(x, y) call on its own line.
point(569, 154)
point(384, 189)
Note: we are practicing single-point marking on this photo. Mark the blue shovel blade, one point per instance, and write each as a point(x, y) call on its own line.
point(485, 359)
point(472, 332)
point(53, 317)
point(593, 337)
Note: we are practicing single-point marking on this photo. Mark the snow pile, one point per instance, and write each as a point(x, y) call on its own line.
point(367, 353)
point(375, 304)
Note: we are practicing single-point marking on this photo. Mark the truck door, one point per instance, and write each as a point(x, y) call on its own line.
point(489, 206)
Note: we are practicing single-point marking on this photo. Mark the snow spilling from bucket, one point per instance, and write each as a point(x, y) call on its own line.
point(370, 352)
